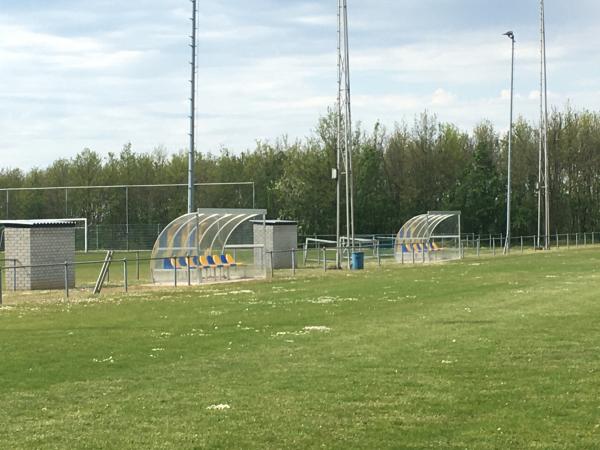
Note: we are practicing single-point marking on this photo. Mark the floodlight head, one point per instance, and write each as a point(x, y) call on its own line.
point(510, 35)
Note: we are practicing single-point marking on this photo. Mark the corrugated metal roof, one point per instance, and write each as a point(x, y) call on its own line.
point(38, 223)
point(275, 222)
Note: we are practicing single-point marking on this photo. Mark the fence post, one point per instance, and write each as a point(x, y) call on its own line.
point(413, 254)
point(1, 275)
point(584, 238)
point(137, 265)
point(592, 238)
point(521, 244)
point(576, 239)
point(293, 262)
point(189, 271)
point(494, 246)
point(402, 253)
point(175, 272)
point(324, 259)
point(478, 247)
point(271, 264)
point(66, 279)
point(378, 256)
point(349, 256)
point(125, 280)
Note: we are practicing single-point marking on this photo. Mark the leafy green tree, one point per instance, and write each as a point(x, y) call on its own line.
point(479, 193)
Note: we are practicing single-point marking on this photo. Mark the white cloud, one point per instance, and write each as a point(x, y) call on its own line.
point(316, 20)
point(442, 98)
point(99, 79)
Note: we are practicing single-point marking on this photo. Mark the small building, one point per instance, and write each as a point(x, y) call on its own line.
point(279, 237)
point(36, 252)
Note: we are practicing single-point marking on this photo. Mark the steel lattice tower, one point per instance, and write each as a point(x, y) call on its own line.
point(344, 136)
point(543, 176)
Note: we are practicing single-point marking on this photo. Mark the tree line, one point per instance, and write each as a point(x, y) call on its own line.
point(398, 173)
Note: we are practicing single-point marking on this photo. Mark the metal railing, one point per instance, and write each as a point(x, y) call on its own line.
point(13, 269)
point(495, 244)
point(323, 258)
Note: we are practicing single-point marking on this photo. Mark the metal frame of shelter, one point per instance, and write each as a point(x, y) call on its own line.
point(418, 236)
point(204, 233)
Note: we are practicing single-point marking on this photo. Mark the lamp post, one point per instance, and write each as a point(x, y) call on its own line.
point(511, 36)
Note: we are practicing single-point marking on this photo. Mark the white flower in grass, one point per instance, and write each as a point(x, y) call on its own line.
point(317, 328)
point(109, 360)
point(219, 407)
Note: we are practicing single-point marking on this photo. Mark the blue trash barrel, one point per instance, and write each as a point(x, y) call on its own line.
point(358, 261)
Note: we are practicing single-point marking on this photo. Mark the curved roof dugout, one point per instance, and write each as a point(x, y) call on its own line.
point(420, 229)
point(201, 233)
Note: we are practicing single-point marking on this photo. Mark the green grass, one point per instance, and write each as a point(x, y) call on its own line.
point(482, 354)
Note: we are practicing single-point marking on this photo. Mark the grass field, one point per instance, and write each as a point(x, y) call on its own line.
point(481, 354)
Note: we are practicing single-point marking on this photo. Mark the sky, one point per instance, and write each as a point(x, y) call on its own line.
point(103, 73)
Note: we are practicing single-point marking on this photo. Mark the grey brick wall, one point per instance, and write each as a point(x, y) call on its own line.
point(17, 244)
point(279, 238)
point(35, 246)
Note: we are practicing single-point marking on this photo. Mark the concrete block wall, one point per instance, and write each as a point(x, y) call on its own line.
point(280, 238)
point(285, 238)
point(261, 237)
point(35, 246)
point(17, 242)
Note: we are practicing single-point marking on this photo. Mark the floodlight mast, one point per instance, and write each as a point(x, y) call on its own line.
point(191, 154)
point(511, 36)
point(344, 135)
point(543, 178)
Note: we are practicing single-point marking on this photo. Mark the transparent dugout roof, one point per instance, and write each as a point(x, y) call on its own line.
point(421, 228)
point(201, 233)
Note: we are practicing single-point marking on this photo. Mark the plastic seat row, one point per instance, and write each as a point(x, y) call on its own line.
point(200, 262)
point(418, 248)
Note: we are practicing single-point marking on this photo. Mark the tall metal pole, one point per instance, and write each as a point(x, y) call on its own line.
point(540, 148)
point(511, 36)
point(349, 143)
point(344, 126)
point(127, 217)
point(338, 259)
point(543, 175)
point(191, 159)
point(546, 174)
